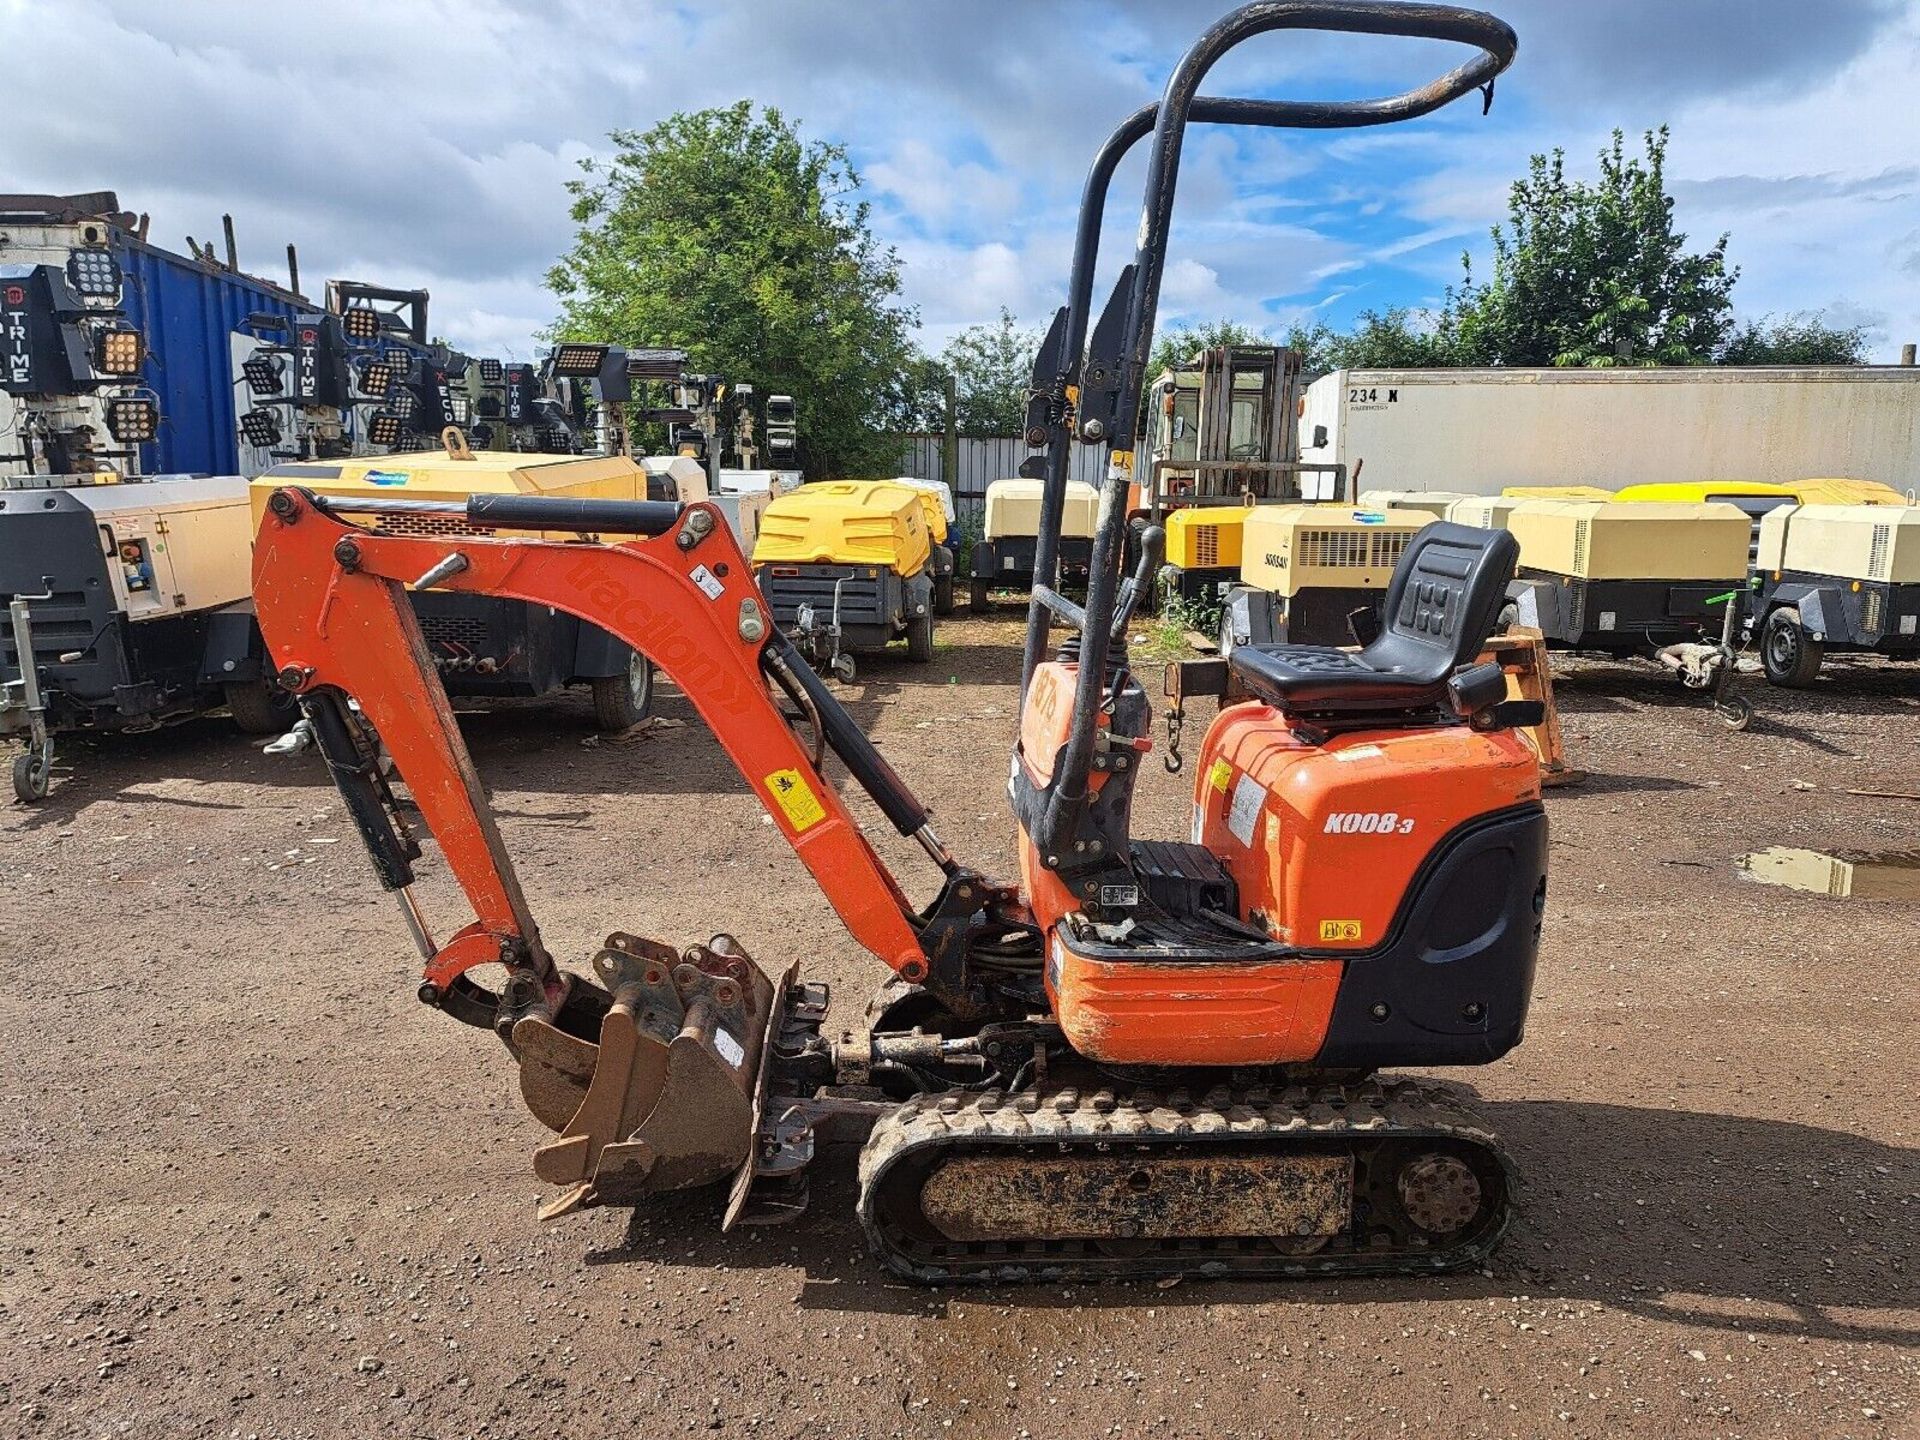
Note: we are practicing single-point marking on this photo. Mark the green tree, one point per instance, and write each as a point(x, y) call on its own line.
point(1316, 344)
point(1593, 273)
point(1803, 338)
point(1175, 346)
point(1392, 339)
point(725, 233)
point(991, 365)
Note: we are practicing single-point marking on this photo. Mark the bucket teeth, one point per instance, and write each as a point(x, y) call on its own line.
point(668, 1101)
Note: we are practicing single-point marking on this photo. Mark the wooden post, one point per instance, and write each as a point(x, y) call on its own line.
point(950, 437)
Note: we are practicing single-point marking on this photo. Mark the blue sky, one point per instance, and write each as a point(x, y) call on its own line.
point(428, 142)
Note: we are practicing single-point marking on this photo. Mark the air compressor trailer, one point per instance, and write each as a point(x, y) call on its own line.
point(1835, 577)
point(1623, 578)
point(128, 608)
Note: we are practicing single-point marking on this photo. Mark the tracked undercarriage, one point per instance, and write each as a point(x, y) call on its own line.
point(1119, 1184)
point(1016, 1161)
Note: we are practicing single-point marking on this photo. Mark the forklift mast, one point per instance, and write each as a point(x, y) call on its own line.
point(1088, 377)
point(1224, 428)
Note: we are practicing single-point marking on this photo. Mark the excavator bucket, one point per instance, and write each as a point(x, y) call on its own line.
point(670, 1096)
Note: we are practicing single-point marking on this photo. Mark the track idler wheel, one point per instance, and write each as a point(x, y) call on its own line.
point(668, 1098)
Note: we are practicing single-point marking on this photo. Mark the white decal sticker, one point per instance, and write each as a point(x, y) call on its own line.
point(1360, 752)
point(728, 1047)
point(704, 578)
point(1248, 796)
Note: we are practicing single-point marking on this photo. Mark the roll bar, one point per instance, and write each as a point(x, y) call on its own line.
point(1111, 375)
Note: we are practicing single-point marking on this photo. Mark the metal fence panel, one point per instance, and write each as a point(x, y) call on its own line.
point(981, 461)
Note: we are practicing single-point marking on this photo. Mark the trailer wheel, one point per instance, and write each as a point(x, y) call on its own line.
point(1790, 656)
point(982, 598)
point(943, 594)
point(31, 776)
point(920, 638)
point(1225, 638)
point(622, 701)
point(1735, 711)
point(261, 707)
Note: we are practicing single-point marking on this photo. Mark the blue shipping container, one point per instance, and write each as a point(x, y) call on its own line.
point(188, 312)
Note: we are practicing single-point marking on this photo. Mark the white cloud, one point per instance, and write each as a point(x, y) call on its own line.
point(430, 143)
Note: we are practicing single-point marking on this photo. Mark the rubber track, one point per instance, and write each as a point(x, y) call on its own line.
point(993, 1121)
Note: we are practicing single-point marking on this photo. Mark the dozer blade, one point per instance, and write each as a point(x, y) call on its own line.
point(672, 1101)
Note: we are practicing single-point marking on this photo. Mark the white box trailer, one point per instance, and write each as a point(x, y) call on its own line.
point(1478, 431)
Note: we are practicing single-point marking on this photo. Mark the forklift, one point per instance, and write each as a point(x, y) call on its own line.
point(1226, 440)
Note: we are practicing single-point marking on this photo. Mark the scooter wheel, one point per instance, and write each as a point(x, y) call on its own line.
point(31, 776)
point(1735, 712)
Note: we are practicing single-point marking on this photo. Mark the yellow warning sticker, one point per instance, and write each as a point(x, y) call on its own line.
point(1220, 775)
point(1340, 930)
point(796, 799)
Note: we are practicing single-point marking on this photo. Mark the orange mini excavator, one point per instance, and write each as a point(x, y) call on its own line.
point(1147, 1057)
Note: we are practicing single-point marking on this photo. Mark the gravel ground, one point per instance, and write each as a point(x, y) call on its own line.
point(251, 1188)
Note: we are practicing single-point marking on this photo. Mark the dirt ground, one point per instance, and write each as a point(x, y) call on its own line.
point(250, 1187)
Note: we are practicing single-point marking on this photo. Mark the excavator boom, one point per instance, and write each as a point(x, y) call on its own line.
point(333, 606)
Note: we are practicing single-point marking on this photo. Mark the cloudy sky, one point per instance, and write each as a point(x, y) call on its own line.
point(426, 142)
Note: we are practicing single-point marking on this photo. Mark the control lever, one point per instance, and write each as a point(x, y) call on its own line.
point(1153, 549)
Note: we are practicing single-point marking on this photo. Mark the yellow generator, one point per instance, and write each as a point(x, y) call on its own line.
point(1555, 492)
point(1483, 512)
point(128, 606)
point(1203, 550)
point(487, 645)
point(1840, 491)
point(1434, 504)
point(1752, 497)
point(848, 565)
point(1003, 555)
point(1835, 577)
point(936, 500)
point(1305, 571)
point(1618, 577)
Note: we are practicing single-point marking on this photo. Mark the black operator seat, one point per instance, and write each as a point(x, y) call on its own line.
point(1441, 605)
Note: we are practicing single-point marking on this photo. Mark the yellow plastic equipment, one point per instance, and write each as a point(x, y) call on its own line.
point(1697, 492)
point(847, 522)
point(1206, 537)
point(936, 513)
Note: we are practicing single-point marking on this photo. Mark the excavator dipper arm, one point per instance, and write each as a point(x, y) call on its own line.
point(333, 608)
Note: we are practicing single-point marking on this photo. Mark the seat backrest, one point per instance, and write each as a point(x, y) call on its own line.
point(1443, 600)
